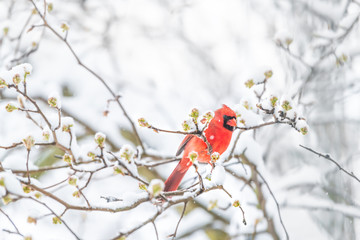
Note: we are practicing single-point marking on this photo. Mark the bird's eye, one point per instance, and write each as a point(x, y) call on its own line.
point(227, 118)
point(226, 125)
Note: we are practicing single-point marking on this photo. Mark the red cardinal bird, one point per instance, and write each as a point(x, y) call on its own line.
point(218, 134)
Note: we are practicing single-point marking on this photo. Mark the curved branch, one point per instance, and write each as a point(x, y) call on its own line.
point(327, 156)
point(12, 223)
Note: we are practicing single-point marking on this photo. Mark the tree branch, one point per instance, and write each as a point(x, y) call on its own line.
point(12, 223)
point(327, 156)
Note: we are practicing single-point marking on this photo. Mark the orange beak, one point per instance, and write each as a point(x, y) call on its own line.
point(232, 122)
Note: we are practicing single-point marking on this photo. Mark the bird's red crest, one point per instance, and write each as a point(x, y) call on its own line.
point(225, 110)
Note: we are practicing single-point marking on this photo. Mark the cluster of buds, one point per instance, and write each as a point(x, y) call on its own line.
point(286, 105)
point(284, 38)
point(119, 170)
point(242, 121)
point(6, 31)
point(76, 194)
point(239, 119)
point(52, 102)
point(91, 155)
point(46, 134)
point(56, 220)
point(64, 27)
point(66, 127)
point(31, 220)
point(127, 153)
point(38, 195)
point(6, 199)
point(340, 61)
point(142, 187)
point(268, 105)
point(303, 130)
point(288, 41)
point(251, 82)
point(72, 180)
point(20, 73)
point(214, 157)
point(50, 7)
point(16, 79)
point(268, 74)
point(100, 139)
point(29, 142)
point(17, 74)
point(236, 203)
point(284, 110)
point(206, 118)
point(67, 158)
point(10, 107)
point(246, 105)
point(273, 101)
point(156, 187)
point(302, 126)
point(212, 205)
point(27, 189)
point(3, 83)
point(143, 123)
point(193, 156)
point(186, 125)
point(194, 115)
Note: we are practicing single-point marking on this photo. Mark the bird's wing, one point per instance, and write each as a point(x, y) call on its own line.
point(183, 144)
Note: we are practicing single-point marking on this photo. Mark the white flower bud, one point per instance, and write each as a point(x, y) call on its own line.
point(156, 187)
point(193, 156)
point(127, 153)
point(29, 142)
point(100, 139)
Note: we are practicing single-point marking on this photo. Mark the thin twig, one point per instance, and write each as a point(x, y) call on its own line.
point(156, 231)
point(276, 202)
point(56, 184)
point(12, 223)
point(59, 115)
point(27, 165)
point(130, 172)
point(21, 34)
point(177, 225)
point(200, 178)
point(62, 220)
point(27, 110)
point(176, 132)
point(298, 58)
point(14, 145)
point(243, 213)
point(327, 156)
point(167, 205)
point(82, 194)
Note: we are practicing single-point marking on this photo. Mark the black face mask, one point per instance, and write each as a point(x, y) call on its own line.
point(226, 125)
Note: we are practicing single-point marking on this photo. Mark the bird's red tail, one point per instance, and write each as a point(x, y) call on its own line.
point(173, 181)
